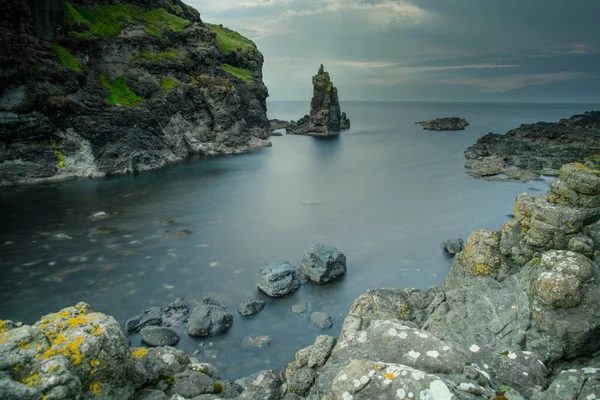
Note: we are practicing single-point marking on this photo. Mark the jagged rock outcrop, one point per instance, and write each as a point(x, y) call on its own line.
point(444, 124)
point(89, 89)
point(533, 149)
point(326, 118)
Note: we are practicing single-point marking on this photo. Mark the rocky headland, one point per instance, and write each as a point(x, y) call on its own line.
point(90, 89)
point(444, 124)
point(536, 149)
point(517, 317)
point(326, 117)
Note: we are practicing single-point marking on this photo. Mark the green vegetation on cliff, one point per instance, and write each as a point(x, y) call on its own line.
point(170, 55)
point(119, 92)
point(66, 58)
point(241, 73)
point(228, 40)
point(107, 21)
point(168, 84)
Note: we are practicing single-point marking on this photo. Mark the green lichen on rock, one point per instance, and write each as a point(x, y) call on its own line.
point(168, 84)
point(107, 21)
point(230, 41)
point(54, 145)
point(119, 92)
point(170, 55)
point(240, 73)
point(66, 58)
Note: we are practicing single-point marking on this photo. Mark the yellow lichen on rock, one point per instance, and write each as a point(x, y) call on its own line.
point(139, 353)
point(31, 380)
point(95, 388)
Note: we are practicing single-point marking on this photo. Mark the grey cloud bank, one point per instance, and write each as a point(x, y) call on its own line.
point(463, 50)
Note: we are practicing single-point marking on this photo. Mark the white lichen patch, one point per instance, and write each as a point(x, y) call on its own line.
point(590, 370)
point(512, 356)
point(401, 393)
point(169, 359)
point(446, 348)
point(347, 396)
point(433, 354)
point(474, 348)
point(344, 377)
point(525, 373)
point(356, 383)
point(364, 379)
point(440, 391)
point(371, 373)
point(392, 332)
point(418, 375)
point(402, 335)
point(362, 337)
point(414, 354)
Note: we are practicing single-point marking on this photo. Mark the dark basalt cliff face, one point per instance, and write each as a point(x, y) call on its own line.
point(94, 88)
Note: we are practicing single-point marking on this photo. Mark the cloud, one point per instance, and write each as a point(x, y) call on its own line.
point(512, 82)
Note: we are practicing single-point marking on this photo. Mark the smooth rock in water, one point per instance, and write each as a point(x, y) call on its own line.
point(321, 320)
point(209, 319)
point(257, 341)
point(152, 316)
point(299, 308)
point(454, 246)
point(278, 278)
point(323, 263)
point(444, 124)
point(251, 307)
point(159, 336)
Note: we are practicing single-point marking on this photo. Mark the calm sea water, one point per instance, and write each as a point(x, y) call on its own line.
point(386, 193)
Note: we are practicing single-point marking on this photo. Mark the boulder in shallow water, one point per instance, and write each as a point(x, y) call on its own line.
point(278, 278)
point(251, 307)
point(152, 316)
point(453, 246)
point(209, 319)
point(159, 336)
point(321, 320)
point(323, 263)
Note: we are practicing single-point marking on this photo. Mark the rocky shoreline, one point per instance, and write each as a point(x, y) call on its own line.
point(533, 150)
point(444, 124)
point(517, 317)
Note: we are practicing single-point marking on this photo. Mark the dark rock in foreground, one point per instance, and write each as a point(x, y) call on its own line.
point(209, 319)
point(326, 118)
point(278, 278)
point(444, 124)
point(536, 149)
point(323, 263)
point(159, 336)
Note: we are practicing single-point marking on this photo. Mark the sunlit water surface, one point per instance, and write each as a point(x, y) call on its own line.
point(386, 193)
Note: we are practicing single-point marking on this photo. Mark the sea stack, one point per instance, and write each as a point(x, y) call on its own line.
point(326, 118)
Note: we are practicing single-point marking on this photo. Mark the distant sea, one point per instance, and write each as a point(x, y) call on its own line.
point(386, 193)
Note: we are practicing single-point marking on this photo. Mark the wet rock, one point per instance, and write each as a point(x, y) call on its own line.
point(257, 341)
point(209, 319)
point(149, 394)
point(323, 263)
point(453, 246)
point(152, 316)
point(251, 307)
point(321, 320)
point(159, 336)
point(444, 124)
point(278, 278)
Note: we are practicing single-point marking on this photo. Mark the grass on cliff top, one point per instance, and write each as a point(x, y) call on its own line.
point(241, 73)
point(66, 58)
point(168, 84)
point(107, 21)
point(170, 55)
point(228, 40)
point(119, 92)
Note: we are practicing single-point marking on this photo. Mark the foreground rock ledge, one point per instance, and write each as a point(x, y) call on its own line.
point(516, 301)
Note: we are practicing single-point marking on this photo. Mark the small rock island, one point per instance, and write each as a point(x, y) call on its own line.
point(444, 124)
point(326, 117)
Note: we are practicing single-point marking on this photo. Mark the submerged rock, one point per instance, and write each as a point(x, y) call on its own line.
point(159, 336)
point(321, 320)
point(444, 124)
point(323, 263)
point(326, 118)
point(256, 341)
point(278, 278)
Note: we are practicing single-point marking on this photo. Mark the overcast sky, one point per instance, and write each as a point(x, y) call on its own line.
point(529, 50)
